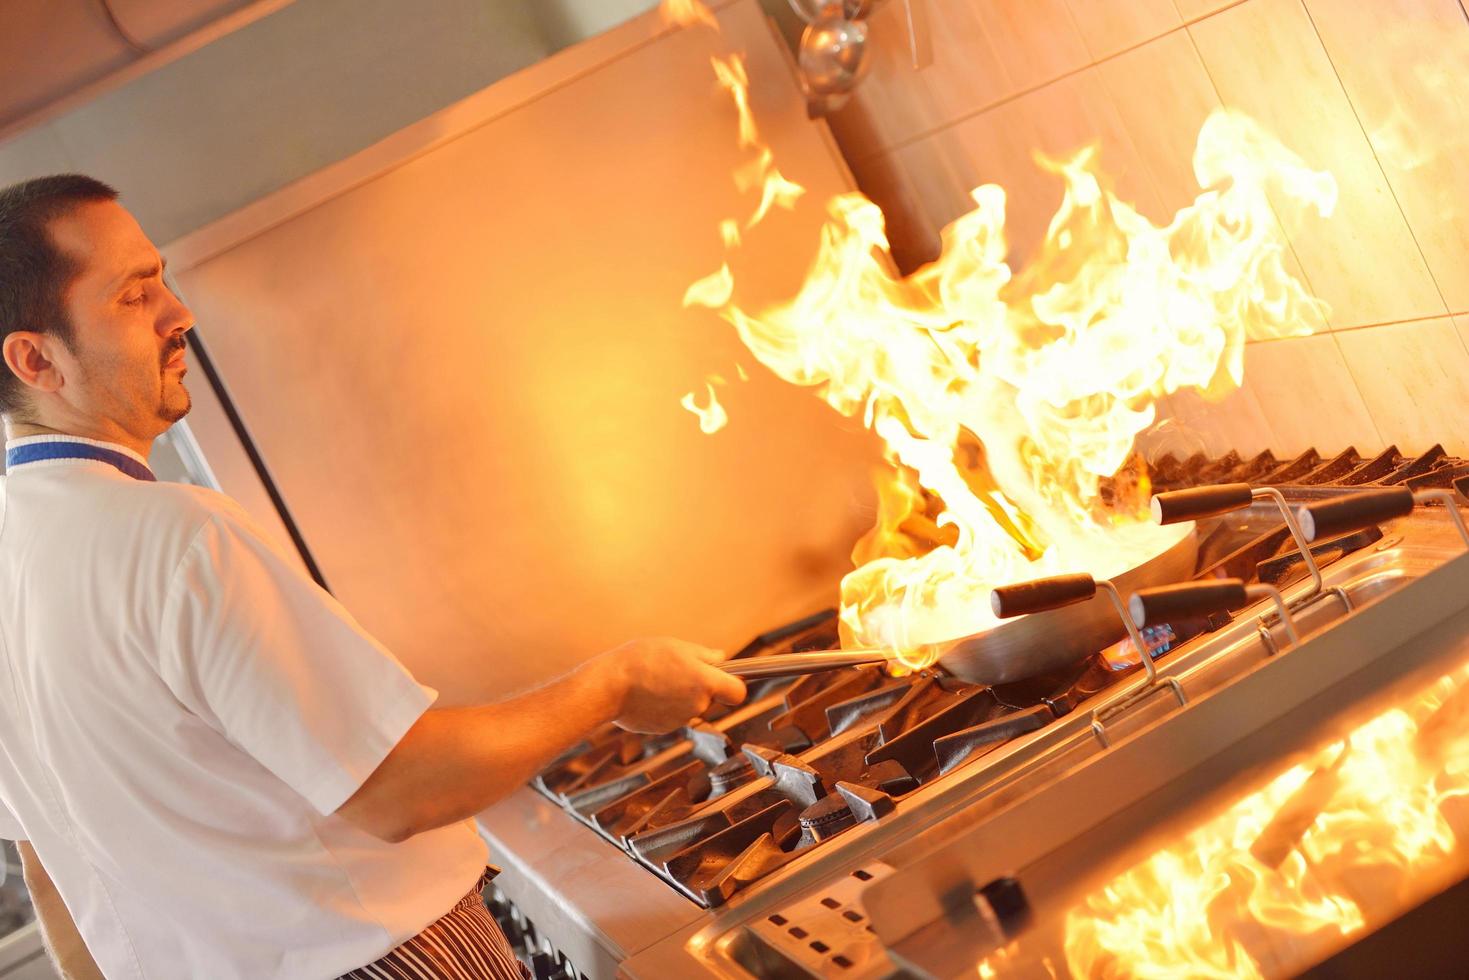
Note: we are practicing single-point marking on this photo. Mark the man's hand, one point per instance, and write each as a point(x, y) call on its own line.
point(454, 762)
point(663, 682)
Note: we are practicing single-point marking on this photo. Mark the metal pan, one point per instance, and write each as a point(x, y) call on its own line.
point(1047, 641)
point(1035, 644)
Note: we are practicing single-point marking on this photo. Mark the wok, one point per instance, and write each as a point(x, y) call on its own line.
point(1039, 643)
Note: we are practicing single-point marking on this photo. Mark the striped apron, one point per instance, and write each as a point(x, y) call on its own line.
point(465, 944)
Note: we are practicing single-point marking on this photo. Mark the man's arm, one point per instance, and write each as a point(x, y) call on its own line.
point(455, 762)
point(62, 938)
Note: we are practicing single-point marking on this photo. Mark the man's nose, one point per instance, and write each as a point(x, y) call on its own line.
point(178, 318)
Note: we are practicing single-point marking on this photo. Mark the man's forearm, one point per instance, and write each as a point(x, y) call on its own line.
point(455, 762)
point(63, 940)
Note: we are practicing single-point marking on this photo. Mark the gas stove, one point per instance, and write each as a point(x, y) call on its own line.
point(733, 798)
point(780, 837)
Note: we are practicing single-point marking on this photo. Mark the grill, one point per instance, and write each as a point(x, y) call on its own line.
point(826, 826)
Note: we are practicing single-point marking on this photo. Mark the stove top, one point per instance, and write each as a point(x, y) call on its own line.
point(717, 806)
point(787, 780)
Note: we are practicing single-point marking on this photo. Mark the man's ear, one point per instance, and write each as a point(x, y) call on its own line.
point(26, 359)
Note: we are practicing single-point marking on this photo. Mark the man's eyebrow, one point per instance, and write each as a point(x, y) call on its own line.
point(142, 272)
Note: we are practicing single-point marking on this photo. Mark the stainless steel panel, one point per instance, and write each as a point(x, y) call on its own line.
point(465, 371)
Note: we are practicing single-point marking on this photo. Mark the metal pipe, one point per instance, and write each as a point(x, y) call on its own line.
point(1318, 584)
point(1133, 632)
point(796, 664)
point(1273, 594)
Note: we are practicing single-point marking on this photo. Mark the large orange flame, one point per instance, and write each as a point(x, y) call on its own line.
point(1008, 398)
point(687, 13)
point(1279, 878)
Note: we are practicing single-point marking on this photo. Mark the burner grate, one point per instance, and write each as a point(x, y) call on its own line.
point(1434, 469)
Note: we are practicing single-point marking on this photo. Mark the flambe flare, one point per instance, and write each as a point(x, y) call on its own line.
point(687, 13)
point(730, 73)
point(713, 291)
point(997, 965)
point(775, 190)
point(1279, 878)
point(1008, 399)
point(729, 232)
point(712, 417)
point(1005, 400)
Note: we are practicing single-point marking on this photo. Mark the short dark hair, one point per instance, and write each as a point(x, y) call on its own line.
point(34, 273)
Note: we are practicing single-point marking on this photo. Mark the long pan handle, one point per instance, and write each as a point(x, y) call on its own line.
point(1352, 512)
point(1187, 600)
point(796, 664)
point(1196, 503)
point(1041, 594)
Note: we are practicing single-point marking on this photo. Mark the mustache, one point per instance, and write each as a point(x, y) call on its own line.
point(174, 346)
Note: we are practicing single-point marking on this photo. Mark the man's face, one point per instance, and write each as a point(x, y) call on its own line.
point(125, 366)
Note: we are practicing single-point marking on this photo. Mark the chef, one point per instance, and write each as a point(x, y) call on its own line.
point(211, 769)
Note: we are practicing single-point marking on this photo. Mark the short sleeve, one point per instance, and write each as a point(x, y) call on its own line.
point(276, 665)
point(10, 828)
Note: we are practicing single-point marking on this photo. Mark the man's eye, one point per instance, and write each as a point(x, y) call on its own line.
point(133, 300)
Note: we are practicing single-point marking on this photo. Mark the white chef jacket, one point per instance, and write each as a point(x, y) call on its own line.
point(181, 712)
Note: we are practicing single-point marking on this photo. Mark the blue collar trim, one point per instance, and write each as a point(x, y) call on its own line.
point(36, 451)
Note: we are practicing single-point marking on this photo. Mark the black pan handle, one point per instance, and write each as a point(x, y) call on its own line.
point(1352, 512)
point(1188, 600)
point(1196, 503)
point(1041, 594)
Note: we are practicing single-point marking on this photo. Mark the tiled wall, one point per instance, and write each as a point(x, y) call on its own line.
point(1376, 91)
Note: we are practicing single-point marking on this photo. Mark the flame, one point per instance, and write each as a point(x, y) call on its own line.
point(729, 232)
point(687, 13)
point(905, 527)
point(730, 73)
point(1004, 399)
point(712, 417)
point(713, 291)
point(999, 964)
point(774, 188)
point(1282, 876)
